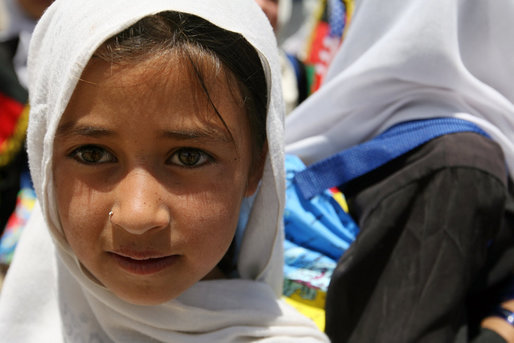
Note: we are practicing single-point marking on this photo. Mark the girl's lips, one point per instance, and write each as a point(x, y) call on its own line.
point(144, 266)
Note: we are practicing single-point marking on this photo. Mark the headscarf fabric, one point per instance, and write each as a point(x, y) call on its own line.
point(403, 61)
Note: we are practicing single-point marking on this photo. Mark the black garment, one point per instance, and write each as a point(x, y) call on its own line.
point(9, 85)
point(488, 336)
point(428, 250)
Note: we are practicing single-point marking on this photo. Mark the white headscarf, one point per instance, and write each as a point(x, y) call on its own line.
point(47, 296)
point(404, 60)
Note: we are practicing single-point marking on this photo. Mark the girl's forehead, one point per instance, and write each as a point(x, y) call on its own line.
point(159, 68)
point(175, 75)
point(156, 88)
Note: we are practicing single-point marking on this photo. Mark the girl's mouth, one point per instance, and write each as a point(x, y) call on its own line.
point(144, 266)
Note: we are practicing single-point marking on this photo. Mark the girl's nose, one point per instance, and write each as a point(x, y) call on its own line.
point(139, 205)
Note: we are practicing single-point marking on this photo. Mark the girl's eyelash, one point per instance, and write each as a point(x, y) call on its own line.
point(92, 155)
point(182, 157)
point(190, 158)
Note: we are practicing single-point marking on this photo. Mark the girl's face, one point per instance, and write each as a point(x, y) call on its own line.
point(142, 141)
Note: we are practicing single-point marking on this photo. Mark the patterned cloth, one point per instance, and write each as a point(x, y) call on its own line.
point(24, 205)
point(329, 24)
point(13, 109)
point(317, 232)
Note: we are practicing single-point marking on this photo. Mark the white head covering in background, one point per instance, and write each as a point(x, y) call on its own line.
point(48, 298)
point(404, 60)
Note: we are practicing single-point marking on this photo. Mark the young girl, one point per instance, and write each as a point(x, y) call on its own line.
point(152, 123)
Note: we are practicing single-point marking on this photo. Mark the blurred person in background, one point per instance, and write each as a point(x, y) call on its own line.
point(309, 33)
point(434, 257)
point(16, 192)
point(293, 75)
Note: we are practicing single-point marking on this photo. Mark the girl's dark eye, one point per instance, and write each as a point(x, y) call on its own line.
point(92, 154)
point(188, 157)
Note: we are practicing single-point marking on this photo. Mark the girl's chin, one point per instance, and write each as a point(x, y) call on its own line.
point(146, 298)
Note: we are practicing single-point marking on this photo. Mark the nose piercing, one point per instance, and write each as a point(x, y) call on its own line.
point(110, 215)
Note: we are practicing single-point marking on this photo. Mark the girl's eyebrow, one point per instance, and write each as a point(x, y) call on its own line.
point(70, 129)
point(197, 134)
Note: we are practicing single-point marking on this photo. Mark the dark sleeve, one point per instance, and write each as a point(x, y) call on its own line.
point(488, 336)
point(428, 221)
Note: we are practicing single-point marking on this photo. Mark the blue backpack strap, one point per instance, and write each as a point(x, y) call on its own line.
point(363, 158)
